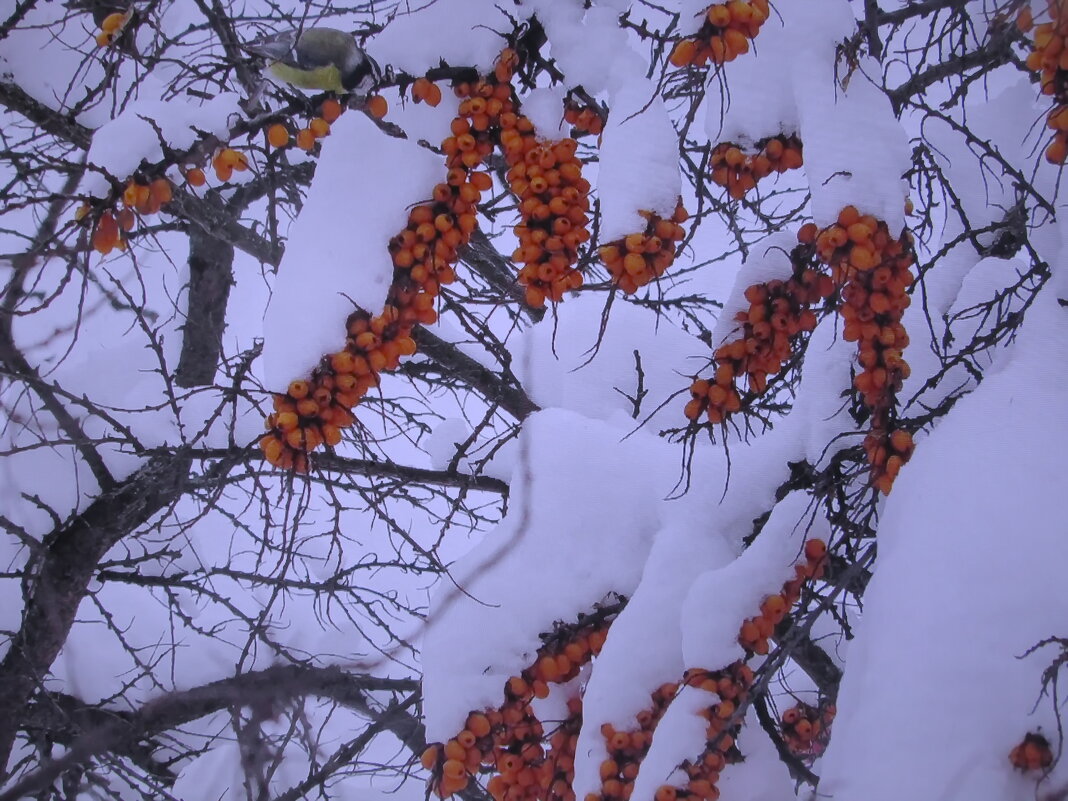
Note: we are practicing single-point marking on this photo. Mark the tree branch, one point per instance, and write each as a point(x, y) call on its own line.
point(487, 383)
point(63, 575)
point(100, 731)
point(211, 275)
point(13, 97)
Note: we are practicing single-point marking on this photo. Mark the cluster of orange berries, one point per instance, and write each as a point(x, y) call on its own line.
point(627, 749)
point(754, 633)
point(806, 729)
point(732, 685)
point(724, 34)
point(739, 172)
point(637, 259)
point(226, 162)
point(887, 452)
point(309, 414)
point(426, 91)
point(137, 198)
point(510, 740)
point(278, 134)
point(314, 412)
point(111, 27)
point(553, 204)
point(563, 743)
point(584, 118)
point(1032, 753)
point(1049, 59)
point(874, 270)
point(779, 311)
point(546, 178)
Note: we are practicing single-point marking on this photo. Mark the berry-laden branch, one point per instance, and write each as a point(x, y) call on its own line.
point(553, 203)
point(732, 685)
point(739, 172)
point(724, 34)
point(509, 741)
point(627, 749)
point(546, 178)
point(1049, 60)
point(637, 259)
point(313, 412)
point(874, 270)
point(779, 314)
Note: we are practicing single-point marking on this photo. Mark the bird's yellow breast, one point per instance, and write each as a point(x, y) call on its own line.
point(325, 79)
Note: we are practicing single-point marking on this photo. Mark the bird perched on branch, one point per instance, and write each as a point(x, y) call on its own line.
point(317, 58)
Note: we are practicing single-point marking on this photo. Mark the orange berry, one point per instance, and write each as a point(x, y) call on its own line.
point(106, 235)
point(719, 15)
point(684, 53)
point(330, 110)
point(815, 549)
point(319, 127)
point(305, 139)
point(161, 191)
point(278, 135)
point(112, 22)
point(195, 177)
point(377, 106)
point(126, 220)
point(429, 757)
point(1024, 20)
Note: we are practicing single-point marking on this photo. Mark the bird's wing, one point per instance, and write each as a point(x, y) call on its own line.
point(277, 46)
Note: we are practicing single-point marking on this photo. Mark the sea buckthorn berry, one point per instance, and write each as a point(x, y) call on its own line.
point(330, 109)
point(815, 549)
point(377, 106)
point(278, 135)
point(1032, 753)
point(112, 22)
point(106, 235)
point(305, 139)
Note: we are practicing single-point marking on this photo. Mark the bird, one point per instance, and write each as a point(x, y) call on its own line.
point(319, 57)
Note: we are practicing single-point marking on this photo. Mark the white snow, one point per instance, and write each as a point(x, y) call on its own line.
point(119, 146)
point(545, 108)
point(460, 33)
point(621, 685)
point(578, 529)
point(970, 572)
point(719, 601)
point(856, 152)
point(639, 169)
point(751, 99)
